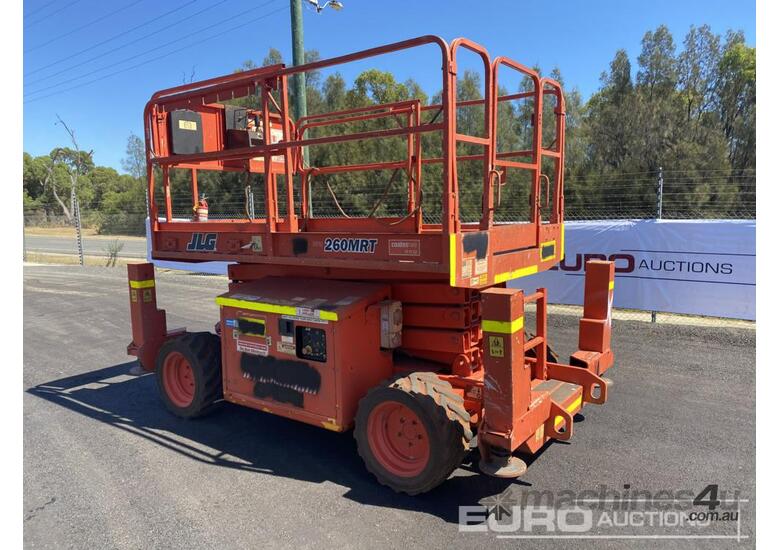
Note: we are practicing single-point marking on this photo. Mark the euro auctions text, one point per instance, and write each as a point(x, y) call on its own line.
point(625, 513)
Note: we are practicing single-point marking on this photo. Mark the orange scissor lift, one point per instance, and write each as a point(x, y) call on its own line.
point(400, 328)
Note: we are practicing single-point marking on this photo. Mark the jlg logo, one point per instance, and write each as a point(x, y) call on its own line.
point(202, 242)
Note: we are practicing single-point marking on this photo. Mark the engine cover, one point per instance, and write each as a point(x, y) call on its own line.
point(303, 348)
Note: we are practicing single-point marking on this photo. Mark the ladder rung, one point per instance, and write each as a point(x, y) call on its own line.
point(533, 342)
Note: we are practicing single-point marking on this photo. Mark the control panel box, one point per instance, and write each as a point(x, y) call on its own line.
point(303, 348)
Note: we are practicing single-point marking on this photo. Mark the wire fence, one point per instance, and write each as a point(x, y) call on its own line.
point(108, 235)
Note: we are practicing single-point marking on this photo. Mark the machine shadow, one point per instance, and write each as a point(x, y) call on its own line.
point(250, 440)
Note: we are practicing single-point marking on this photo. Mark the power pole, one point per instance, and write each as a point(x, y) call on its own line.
point(299, 84)
point(299, 58)
point(76, 209)
point(659, 194)
point(659, 214)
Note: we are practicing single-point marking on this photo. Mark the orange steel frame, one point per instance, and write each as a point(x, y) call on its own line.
point(461, 323)
point(513, 249)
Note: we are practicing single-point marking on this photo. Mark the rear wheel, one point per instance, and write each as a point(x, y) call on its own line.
point(412, 432)
point(189, 374)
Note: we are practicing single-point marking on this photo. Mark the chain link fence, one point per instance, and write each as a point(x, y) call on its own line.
point(109, 237)
point(667, 194)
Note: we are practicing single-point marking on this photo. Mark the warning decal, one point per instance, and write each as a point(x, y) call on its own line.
point(496, 346)
point(252, 348)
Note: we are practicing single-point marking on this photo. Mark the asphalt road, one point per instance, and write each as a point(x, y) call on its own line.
point(132, 247)
point(105, 466)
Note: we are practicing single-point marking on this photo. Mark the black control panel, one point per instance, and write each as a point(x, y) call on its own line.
point(310, 344)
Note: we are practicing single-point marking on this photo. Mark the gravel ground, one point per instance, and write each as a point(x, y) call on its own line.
point(105, 466)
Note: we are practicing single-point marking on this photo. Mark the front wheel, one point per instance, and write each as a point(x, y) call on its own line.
point(189, 374)
point(413, 432)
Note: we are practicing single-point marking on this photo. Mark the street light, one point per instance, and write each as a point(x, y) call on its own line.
point(299, 82)
point(335, 4)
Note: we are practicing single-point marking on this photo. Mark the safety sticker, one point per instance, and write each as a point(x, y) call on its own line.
point(307, 319)
point(305, 313)
point(147, 295)
point(480, 266)
point(496, 346)
point(277, 135)
point(465, 271)
point(252, 348)
point(255, 244)
point(285, 347)
point(133, 295)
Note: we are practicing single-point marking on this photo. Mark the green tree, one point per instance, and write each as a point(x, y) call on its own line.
point(610, 118)
point(697, 68)
point(121, 209)
point(657, 68)
point(737, 94)
point(134, 162)
point(57, 179)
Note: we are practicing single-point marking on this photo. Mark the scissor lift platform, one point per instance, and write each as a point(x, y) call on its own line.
point(464, 254)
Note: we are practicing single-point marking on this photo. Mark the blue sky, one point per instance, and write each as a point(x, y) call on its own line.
point(106, 103)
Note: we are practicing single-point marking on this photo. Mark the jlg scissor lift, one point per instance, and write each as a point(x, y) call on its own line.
point(401, 329)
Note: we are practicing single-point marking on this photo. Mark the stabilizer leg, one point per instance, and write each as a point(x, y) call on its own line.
point(148, 323)
point(595, 353)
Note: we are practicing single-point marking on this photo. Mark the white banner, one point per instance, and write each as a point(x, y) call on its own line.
point(702, 267)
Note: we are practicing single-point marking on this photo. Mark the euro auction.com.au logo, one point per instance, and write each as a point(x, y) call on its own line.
point(605, 513)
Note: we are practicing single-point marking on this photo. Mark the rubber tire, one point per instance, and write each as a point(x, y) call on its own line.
point(203, 350)
point(445, 418)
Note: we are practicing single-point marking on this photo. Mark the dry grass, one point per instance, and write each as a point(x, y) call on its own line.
point(70, 233)
point(73, 259)
point(64, 231)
